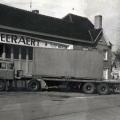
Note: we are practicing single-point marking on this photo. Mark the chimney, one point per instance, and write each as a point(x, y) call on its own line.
point(35, 11)
point(98, 22)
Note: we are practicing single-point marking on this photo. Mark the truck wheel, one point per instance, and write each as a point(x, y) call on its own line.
point(103, 89)
point(34, 85)
point(88, 88)
point(2, 85)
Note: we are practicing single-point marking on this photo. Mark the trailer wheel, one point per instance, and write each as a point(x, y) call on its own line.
point(33, 85)
point(88, 88)
point(2, 85)
point(103, 89)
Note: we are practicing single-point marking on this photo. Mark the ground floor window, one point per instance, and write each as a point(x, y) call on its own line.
point(16, 51)
point(1, 50)
point(8, 51)
point(30, 53)
point(23, 52)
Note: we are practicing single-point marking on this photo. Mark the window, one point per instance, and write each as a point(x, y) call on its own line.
point(23, 52)
point(10, 66)
point(30, 53)
point(8, 51)
point(105, 55)
point(105, 73)
point(16, 52)
point(2, 65)
point(1, 50)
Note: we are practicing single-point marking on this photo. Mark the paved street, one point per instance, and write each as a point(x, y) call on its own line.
point(58, 106)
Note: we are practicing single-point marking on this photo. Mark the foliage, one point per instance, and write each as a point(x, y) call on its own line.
point(117, 55)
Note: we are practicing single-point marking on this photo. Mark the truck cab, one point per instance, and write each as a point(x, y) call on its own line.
point(6, 73)
point(6, 70)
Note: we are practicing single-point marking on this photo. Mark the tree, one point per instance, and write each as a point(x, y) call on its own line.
point(117, 55)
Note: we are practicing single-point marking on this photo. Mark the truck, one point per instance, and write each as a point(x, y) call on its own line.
point(69, 69)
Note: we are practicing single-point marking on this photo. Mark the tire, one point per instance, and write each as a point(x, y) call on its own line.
point(103, 89)
point(2, 85)
point(88, 88)
point(34, 85)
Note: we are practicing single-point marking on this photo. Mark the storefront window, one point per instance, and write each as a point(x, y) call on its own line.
point(16, 52)
point(10, 66)
point(2, 65)
point(30, 53)
point(23, 52)
point(8, 51)
point(1, 50)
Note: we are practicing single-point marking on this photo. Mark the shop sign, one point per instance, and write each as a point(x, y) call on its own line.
point(27, 41)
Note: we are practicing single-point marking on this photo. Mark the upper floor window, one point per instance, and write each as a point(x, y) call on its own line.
point(105, 55)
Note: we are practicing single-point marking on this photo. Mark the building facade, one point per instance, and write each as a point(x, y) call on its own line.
point(106, 47)
point(21, 31)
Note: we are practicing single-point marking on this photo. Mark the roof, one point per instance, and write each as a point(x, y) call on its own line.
point(83, 22)
point(78, 28)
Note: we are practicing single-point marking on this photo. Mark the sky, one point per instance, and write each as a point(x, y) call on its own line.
point(109, 9)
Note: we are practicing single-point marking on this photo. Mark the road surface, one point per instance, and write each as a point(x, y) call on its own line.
point(58, 106)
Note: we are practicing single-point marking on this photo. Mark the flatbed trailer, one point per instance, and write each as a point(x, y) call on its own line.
point(102, 87)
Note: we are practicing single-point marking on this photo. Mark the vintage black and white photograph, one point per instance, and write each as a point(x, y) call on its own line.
point(59, 60)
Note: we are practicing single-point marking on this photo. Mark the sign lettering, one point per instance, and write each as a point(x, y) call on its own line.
point(28, 41)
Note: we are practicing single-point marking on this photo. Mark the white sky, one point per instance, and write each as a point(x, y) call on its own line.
point(109, 9)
